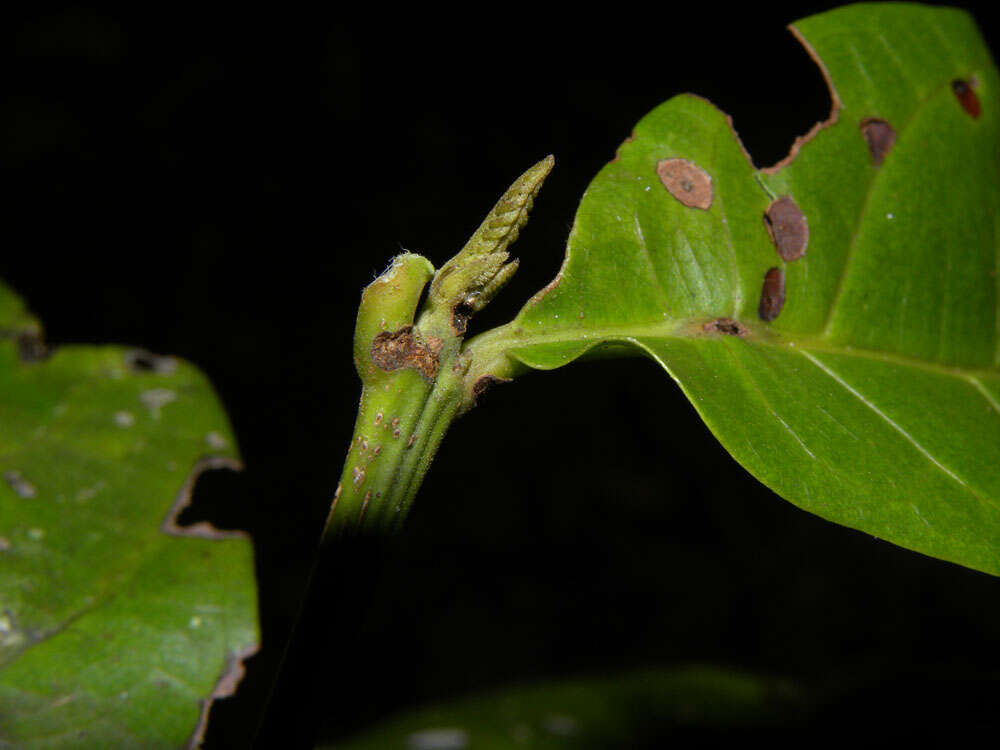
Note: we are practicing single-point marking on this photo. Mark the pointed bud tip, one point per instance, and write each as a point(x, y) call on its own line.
point(540, 170)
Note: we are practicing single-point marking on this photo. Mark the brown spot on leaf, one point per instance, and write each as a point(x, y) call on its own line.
point(201, 529)
point(786, 224)
point(483, 384)
point(772, 295)
point(726, 326)
point(966, 96)
point(880, 137)
point(394, 350)
point(232, 673)
point(687, 182)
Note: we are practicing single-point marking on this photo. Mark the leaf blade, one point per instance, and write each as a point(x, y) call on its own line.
point(112, 634)
point(871, 397)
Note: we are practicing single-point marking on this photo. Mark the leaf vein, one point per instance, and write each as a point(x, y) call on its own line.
point(649, 260)
point(985, 393)
point(889, 421)
point(863, 213)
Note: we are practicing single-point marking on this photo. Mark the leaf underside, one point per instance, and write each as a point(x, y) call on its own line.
point(116, 626)
point(873, 397)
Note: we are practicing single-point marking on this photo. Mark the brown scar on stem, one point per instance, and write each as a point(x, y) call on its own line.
point(787, 227)
point(772, 295)
point(201, 529)
point(395, 350)
point(726, 326)
point(835, 107)
point(967, 96)
point(880, 137)
point(232, 674)
point(483, 384)
point(686, 181)
point(333, 507)
point(460, 315)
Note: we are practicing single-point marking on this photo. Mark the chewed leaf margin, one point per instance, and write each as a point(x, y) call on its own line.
point(119, 624)
point(723, 291)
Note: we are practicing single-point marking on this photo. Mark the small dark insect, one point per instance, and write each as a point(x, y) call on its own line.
point(966, 96)
point(772, 295)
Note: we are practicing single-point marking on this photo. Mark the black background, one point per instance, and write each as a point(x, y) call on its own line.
point(221, 186)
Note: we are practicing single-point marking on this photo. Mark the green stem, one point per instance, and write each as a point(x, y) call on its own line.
point(395, 438)
point(415, 376)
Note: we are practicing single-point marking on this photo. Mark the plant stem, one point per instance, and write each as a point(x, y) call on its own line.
point(414, 374)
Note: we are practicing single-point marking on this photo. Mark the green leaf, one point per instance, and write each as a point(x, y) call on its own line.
point(602, 712)
point(872, 397)
point(117, 626)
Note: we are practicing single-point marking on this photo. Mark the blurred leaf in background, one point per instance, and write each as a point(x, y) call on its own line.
point(119, 624)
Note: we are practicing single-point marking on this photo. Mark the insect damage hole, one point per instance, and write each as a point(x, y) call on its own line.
point(139, 360)
point(966, 95)
point(787, 227)
point(772, 295)
point(725, 326)
point(687, 182)
point(880, 137)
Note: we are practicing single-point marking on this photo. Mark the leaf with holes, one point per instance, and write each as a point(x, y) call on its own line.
point(118, 627)
point(834, 318)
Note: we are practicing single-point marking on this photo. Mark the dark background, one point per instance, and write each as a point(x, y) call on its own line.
point(221, 186)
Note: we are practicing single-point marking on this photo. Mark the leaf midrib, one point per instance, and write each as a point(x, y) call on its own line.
point(805, 348)
point(674, 329)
